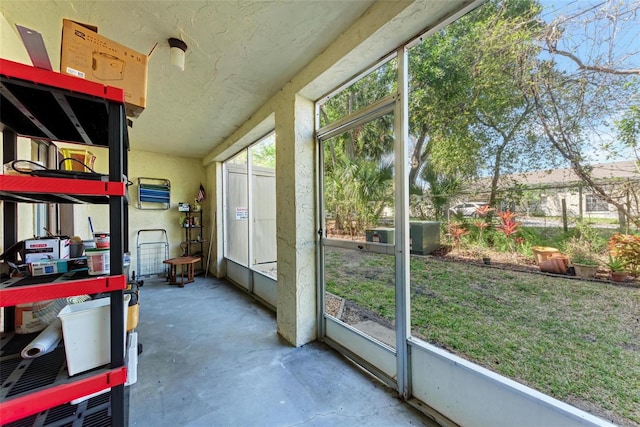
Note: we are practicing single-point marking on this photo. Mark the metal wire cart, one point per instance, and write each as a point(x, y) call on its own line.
point(153, 248)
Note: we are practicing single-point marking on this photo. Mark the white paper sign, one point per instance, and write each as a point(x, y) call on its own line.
point(242, 213)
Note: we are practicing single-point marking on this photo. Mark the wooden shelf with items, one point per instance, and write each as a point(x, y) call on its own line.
point(46, 105)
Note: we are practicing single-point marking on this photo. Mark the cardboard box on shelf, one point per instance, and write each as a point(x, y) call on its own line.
point(46, 249)
point(43, 268)
point(88, 55)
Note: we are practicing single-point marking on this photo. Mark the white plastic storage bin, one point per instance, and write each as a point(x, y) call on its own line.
point(86, 330)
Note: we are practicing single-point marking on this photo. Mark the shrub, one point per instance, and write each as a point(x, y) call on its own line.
point(533, 236)
point(626, 248)
point(580, 251)
point(589, 236)
point(456, 230)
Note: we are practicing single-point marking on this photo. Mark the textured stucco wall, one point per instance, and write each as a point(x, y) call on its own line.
point(186, 175)
point(11, 46)
point(213, 205)
point(296, 306)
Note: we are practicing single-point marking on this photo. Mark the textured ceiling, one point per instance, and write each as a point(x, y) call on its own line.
point(240, 54)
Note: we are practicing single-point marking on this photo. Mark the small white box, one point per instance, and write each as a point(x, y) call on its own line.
point(46, 249)
point(86, 330)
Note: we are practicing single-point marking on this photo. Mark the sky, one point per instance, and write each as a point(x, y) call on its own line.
point(582, 35)
point(589, 40)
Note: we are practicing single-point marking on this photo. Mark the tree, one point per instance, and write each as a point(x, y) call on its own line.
point(500, 91)
point(263, 154)
point(580, 90)
point(503, 116)
point(468, 114)
point(629, 131)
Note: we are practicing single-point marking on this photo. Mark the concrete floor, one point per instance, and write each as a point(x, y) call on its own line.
point(211, 357)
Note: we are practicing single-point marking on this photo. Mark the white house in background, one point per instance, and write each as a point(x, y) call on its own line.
point(547, 189)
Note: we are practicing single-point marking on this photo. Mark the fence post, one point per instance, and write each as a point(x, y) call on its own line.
point(565, 225)
point(626, 221)
point(580, 198)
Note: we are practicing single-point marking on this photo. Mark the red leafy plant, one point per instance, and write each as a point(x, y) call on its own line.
point(456, 230)
point(484, 210)
point(481, 223)
point(508, 226)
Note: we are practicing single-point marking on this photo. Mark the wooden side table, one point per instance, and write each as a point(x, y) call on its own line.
point(185, 263)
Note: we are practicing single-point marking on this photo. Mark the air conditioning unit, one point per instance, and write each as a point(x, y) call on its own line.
point(381, 235)
point(424, 237)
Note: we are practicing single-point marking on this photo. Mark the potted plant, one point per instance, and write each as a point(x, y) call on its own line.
point(618, 268)
point(583, 258)
point(585, 265)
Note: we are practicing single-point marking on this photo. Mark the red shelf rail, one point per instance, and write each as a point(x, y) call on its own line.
point(78, 187)
point(31, 293)
point(19, 71)
point(21, 407)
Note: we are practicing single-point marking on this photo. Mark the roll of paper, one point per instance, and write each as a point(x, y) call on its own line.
point(45, 342)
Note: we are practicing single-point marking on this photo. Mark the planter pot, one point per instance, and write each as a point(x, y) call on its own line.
point(556, 264)
point(585, 271)
point(618, 276)
point(542, 253)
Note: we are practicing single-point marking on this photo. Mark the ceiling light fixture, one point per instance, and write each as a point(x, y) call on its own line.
point(177, 51)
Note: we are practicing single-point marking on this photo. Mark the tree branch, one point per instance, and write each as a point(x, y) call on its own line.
point(586, 67)
point(568, 153)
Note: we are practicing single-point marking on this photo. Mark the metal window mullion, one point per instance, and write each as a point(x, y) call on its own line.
point(402, 257)
point(250, 220)
point(378, 109)
point(354, 80)
point(53, 209)
point(321, 230)
point(356, 245)
point(225, 194)
point(443, 22)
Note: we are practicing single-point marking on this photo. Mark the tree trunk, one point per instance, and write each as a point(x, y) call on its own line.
point(418, 158)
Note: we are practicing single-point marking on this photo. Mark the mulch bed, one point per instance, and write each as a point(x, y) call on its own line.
point(516, 262)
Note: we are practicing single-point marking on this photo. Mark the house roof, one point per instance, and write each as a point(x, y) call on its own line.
point(602, 172)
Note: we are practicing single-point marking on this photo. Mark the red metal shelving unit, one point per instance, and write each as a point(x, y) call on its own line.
point(11, 296)
point(17, 408)
point(41, 104)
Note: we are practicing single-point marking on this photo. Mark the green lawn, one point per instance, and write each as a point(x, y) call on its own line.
point(575, 340)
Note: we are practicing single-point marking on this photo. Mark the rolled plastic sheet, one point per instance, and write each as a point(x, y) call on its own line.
point(45, 342)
